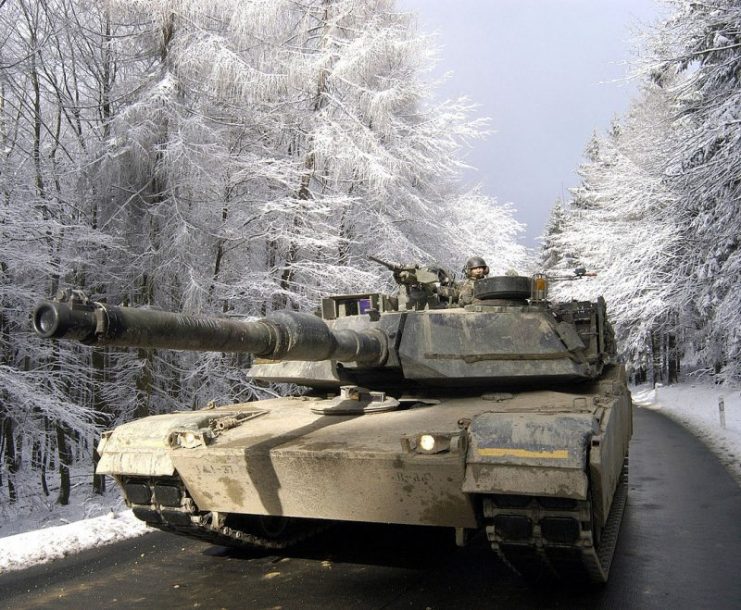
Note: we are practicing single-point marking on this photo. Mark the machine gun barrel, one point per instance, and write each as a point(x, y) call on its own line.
point(390, 266)
point(283, 335)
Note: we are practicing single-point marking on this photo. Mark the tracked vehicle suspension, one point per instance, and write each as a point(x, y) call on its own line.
point(165, 504)
point(554, 538)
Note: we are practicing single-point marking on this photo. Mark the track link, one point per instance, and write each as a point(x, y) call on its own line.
point(297, 530)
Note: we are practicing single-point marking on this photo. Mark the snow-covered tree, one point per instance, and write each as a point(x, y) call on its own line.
point(269, 149)
point(475, 224)
point(46, 230)
point(229, 157)
point(657, 211)
point(697, 59)
point(619, 224)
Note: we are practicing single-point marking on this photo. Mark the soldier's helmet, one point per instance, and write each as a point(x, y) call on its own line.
point(472, 263)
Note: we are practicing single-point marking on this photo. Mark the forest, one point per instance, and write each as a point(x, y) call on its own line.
point(240, 156)
point(657, 211)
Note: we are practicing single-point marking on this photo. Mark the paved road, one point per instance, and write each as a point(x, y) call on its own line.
point(680, 547)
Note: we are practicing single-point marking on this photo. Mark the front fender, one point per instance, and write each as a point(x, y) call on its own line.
point(530, 454)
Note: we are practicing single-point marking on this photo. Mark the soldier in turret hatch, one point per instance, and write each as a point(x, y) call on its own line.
point(475, 269)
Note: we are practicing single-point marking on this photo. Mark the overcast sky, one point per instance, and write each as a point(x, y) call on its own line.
point(548, 73)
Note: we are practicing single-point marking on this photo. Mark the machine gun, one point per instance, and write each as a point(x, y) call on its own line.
point(422, 287)
point(578, 274)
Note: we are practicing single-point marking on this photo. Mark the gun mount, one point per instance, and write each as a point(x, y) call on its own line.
point(422, 287)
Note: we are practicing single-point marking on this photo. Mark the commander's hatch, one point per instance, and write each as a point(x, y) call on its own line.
point(344, 305)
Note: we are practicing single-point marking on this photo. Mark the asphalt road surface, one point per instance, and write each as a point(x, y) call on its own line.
point(679, 547)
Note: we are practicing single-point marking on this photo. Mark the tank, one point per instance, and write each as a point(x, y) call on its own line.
point(510, 416)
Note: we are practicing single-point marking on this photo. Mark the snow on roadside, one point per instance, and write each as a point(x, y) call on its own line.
point(36, 530)
point(695, 405)
point(40, 546)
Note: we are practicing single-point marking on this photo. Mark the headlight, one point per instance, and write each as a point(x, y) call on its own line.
point(432, 442)
point(427, 443)
point(189, 439)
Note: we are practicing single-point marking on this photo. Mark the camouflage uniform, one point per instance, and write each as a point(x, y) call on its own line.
point(465, 290)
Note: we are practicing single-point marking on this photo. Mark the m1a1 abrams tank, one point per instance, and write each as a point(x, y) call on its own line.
point(509, 415)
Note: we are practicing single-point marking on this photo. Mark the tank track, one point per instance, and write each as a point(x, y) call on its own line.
point(164, 503)
point(552, 538)
point(297, 530)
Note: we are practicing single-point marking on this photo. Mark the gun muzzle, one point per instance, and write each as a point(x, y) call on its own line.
point(60, 321)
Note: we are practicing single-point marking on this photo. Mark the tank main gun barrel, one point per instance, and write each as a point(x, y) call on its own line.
point(284, 335)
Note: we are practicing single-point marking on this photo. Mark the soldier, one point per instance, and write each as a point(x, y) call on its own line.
point(475, 269)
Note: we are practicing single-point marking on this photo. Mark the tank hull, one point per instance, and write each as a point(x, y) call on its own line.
point(285, 458)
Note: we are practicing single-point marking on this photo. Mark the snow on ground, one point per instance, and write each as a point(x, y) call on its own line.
point(48, 531)
point(696, 406)
point(39, 546)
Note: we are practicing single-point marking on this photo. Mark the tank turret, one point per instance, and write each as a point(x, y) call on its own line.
point(508, 335)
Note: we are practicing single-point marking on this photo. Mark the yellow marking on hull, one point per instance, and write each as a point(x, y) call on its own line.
point(556, 454)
